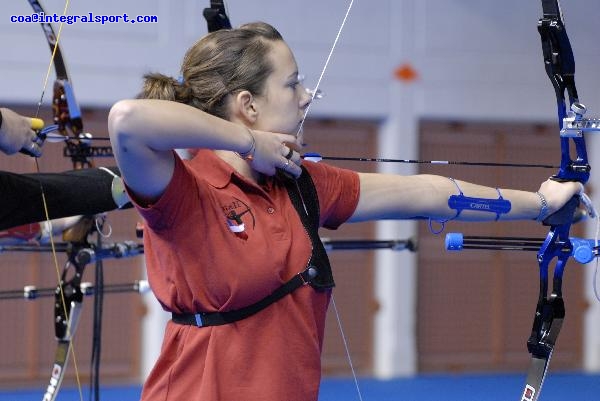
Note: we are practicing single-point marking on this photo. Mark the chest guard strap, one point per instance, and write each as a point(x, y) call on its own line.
point(317, 273)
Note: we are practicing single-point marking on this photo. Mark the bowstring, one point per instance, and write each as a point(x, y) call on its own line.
point(313, 94)
point(315, 90)
point(45, 204)
point(346, 347)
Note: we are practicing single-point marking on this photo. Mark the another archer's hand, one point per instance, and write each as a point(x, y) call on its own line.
point(16, 134)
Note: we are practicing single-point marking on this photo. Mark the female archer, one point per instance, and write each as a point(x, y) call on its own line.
point(230, 238)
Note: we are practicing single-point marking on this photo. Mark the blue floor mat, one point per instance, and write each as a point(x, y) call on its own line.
point(557, 387)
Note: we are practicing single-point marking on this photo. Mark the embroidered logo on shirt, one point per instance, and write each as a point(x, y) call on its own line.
point(235, 213)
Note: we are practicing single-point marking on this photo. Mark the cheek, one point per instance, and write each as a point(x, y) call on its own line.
point(284, 109)
point(283, 113)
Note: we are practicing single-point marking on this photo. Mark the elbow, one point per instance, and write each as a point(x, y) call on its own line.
point(120, 120)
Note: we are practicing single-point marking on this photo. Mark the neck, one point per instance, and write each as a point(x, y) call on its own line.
point(240, 165)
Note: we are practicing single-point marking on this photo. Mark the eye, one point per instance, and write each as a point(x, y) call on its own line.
point(298, 81)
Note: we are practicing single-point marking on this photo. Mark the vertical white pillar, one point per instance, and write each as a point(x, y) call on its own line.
point(396, 272)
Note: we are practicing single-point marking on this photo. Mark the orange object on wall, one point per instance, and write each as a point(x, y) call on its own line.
point(406, 73)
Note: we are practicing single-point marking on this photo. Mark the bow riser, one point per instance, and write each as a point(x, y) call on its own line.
point(67, 114)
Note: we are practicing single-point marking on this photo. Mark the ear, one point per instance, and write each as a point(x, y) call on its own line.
point(244, 106)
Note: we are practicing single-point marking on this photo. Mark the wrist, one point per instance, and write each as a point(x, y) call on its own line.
point(543, 207)
point(249, 154)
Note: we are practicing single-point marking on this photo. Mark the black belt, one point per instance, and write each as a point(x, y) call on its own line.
point(203, 319)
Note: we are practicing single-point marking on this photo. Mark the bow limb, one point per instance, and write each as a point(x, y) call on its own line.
point(68, 117)
point(67, 310)
point(216, 16)
point(550, 310)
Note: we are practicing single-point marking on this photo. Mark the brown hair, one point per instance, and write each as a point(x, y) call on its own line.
point(221, 63)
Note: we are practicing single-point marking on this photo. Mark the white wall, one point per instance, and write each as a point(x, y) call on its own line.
point(476, 59)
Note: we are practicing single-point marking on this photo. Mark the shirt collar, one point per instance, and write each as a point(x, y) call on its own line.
point(220, 173)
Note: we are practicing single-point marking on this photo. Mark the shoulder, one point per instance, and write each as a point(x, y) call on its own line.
point(325, 172)
point(338, 190)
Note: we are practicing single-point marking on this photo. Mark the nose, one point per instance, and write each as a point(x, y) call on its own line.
point(305, 98)
point(308, 95)
point(314, 94)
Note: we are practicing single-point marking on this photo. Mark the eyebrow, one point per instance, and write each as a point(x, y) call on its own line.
point(293, 75)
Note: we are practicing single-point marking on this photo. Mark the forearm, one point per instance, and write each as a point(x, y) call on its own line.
point(404, 197)
point(144, 132)
point(71, 193)
point(163, 125)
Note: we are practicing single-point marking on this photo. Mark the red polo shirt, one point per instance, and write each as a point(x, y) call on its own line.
point(215, 241)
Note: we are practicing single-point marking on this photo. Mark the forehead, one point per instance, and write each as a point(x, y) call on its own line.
point(282, 59)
